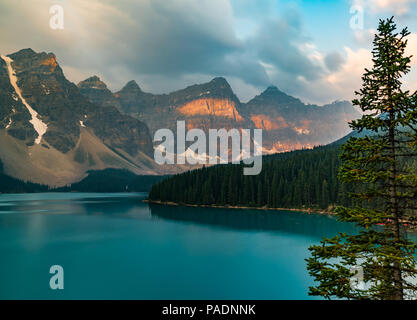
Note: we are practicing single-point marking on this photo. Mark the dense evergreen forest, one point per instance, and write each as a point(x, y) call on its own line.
point(298, 179)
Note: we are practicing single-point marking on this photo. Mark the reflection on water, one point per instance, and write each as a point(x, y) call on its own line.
point(314, 225)
point(118, 204)
point(132, 206)
point(115, 246)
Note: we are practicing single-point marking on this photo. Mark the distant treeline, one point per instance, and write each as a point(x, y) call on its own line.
point(113, 180)
point(12, 185)
point(298, 179)
point(108, 180)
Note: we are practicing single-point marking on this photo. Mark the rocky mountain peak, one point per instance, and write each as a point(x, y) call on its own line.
point(272, 90)
point(24, 53)
point(132, 86)
point(217, 88)
point(221, 86)
point(42, 62)
point(93, 82)
point(97, 92)
point(41, 92)
point(273, 96)
point(131, 98)
point(220, 81)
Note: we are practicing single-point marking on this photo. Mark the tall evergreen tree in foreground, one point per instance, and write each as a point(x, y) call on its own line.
point(386, 193)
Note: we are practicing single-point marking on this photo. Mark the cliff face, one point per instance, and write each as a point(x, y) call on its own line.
point(53, 132)
point(287, 122)
point(62, 107)
point(97, 92)
point(14, 116)
point(212, 105)
point(43, 114)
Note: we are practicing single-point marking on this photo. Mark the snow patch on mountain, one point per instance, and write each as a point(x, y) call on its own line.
point(45, 89)
point(202, 158)
point(301, 131)
point(39, 126)
point(9, 124)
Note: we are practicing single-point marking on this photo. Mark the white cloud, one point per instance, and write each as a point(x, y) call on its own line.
point(397, 7)
point(166, 45)
point(340, 84)
point(348, 78)
point(364, 37)
point(411, 49)
point(400, 7)
point(411, 78)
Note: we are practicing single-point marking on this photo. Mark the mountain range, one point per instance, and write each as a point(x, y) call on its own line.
point(287, 122)
point(53, 131)
point(52, 134)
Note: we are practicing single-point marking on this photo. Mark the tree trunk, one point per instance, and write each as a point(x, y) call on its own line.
point(398, 283)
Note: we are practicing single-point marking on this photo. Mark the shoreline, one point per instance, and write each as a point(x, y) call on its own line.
point(406, 225)
point(175, 204)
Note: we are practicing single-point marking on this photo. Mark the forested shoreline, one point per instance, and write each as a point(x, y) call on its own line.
point(299, 180)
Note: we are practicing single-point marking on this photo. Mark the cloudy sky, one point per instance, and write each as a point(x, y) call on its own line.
point(314, 50)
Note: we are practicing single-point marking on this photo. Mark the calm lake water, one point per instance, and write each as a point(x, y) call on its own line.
point(114, 246)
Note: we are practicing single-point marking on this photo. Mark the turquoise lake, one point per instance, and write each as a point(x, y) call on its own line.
point(115, 246)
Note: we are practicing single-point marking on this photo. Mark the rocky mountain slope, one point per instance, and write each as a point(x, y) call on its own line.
point(206, 106)
point(287, 122)
point(290, 124)
point(51, 133)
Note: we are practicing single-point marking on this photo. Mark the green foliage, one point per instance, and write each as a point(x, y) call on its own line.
point(382, 167)
point(298, 179)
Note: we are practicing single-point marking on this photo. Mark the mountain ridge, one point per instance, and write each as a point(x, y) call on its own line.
point(89, 127)
point(78, 135)
point(288, 123)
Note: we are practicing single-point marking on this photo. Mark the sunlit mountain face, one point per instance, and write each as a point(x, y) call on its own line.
point(287, 122)
point(287, 68)
point(53, 131)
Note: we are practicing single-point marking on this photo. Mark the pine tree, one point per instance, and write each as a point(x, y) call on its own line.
point(324, 195)
point(230, 191)
point(385, 185)
point(273, 203)
point(260, 194)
